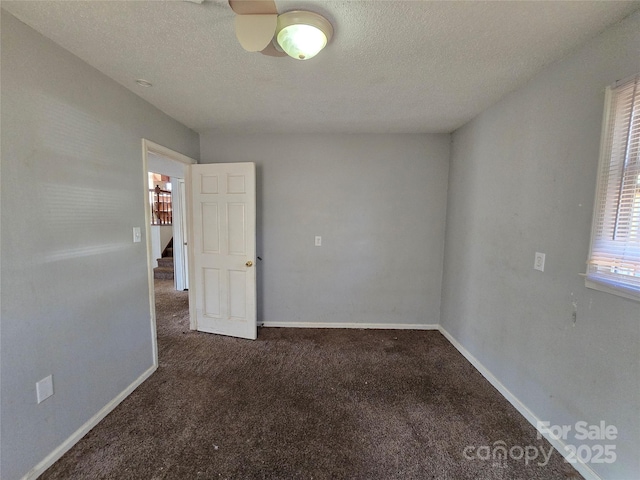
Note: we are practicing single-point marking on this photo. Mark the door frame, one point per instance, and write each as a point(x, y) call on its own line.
point(180, 233)
point(149, 146)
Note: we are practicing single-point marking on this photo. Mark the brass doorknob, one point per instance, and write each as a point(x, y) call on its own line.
point(249, 263)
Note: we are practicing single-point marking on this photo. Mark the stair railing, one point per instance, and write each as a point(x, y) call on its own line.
point(161, 209)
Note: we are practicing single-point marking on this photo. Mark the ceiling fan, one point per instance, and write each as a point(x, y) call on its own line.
point(298, 34)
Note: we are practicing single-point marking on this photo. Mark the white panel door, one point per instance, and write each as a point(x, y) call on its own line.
point(223, 249)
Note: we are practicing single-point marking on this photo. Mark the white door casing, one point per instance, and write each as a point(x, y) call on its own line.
point(222, 249)
point(179, 234)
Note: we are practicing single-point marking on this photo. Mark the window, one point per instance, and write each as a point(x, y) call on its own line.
point(614, 258)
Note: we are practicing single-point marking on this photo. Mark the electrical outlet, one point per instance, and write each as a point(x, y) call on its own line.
point(538, 263)
point(318, 241)
point(44, 388)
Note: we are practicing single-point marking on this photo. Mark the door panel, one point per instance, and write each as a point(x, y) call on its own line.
point(223, 253)
point(237, 242)
point(210, 228)
point(237, 292)
point(211, 284)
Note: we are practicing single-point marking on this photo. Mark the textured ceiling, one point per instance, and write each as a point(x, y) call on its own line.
point(392, 66)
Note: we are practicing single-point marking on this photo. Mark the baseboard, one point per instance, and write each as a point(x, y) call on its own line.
point(558, 444)
point(379, 326)
point(50, 459)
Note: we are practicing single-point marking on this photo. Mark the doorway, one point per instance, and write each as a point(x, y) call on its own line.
point(159, 159)
point(168, 222)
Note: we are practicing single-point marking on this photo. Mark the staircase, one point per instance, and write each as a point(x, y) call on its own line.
point(164, 270)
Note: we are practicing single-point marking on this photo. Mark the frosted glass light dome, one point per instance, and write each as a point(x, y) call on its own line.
point(301, 41)
point(303, 34)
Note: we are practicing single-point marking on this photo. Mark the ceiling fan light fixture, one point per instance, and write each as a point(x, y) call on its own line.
point(303, 34)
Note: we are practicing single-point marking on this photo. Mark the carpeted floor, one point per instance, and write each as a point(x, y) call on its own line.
point(308, 404)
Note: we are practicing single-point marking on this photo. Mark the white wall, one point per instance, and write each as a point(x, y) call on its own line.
point(74, 286)
point(166, 233)
point(522, 180)
point(379, 203)
point(160, 237)
point(165, 166)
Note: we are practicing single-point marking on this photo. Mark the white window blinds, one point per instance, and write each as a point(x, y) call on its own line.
point(614, 260)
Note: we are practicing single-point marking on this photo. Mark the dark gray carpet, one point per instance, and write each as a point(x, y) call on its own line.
point(307, 404)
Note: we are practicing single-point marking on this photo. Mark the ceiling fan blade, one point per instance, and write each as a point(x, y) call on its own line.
point(271, 51)
point(253, 7)
point(255, 32)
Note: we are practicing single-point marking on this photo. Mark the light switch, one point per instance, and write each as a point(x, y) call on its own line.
point(318, 241)
point(538, 263)
point(137, 236)
point(44, 388)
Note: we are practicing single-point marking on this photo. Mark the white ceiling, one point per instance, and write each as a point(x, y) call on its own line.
point(392, 66)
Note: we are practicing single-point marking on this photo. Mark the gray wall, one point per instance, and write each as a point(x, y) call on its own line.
point(522, 180)
point(74, 286)
point(379, 203)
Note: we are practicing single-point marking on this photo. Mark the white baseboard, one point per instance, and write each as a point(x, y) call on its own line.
point(50, 459)
point(379, 326)
point(559, 445)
